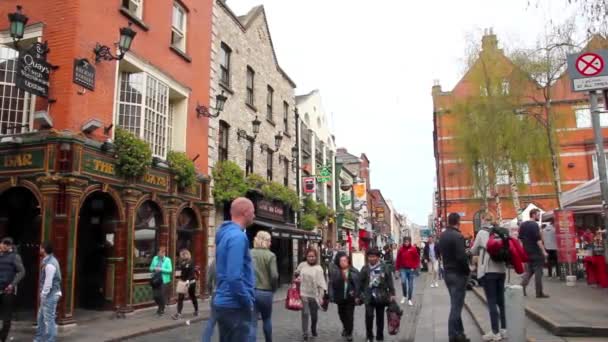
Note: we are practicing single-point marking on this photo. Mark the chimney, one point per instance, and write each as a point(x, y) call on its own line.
point(489, 40)
point(436, 87)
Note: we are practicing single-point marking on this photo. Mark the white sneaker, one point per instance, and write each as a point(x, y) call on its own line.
point(503, 333)
point(402, 300)
point(436, 284)
point(491, 337)
point(410, 303)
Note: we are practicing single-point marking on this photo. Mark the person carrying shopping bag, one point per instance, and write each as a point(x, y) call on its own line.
point(186, 283)
point(312, 288)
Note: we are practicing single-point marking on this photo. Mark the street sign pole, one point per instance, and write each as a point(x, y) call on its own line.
point(599, 150)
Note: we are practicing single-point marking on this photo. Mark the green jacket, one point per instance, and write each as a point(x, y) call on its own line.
point(265, 266)
point(166, 268)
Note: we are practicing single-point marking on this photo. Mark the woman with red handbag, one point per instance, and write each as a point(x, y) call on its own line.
point(312, 287)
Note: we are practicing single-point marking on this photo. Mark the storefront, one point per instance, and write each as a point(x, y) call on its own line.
point(105, 229)
point(346, 233)
point(288, 242)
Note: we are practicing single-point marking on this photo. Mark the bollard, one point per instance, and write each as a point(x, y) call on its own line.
point(515, 313)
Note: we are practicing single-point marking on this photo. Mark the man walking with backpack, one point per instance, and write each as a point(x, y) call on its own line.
point(456, 265)
point(529, 234)
point(491, 270)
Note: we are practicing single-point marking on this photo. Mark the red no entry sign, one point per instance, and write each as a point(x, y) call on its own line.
point(589, 64)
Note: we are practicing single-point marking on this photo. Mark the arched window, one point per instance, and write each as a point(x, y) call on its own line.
point(186, 225)
point(147, 224)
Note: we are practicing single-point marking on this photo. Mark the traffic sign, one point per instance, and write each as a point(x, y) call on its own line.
point(588, 70)
point(589, 64)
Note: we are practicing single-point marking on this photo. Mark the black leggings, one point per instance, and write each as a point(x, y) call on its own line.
point(346, 312)
point(191, 294)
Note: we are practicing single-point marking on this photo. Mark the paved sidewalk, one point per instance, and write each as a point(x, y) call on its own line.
point(141, 322)
point(571, 311)
point(433, 321)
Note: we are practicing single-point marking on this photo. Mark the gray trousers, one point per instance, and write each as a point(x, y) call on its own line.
point(534, 267)
point(311, 308)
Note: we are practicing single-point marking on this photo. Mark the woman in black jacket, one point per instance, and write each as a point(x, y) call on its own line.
point(344, 291)
point(186, 283)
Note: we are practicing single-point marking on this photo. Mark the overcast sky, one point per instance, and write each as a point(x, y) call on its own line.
point(375, 62)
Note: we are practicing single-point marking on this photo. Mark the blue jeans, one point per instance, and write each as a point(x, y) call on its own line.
point(407, 281)
point(208, 332)
point(494, 286)
point(233, 323)
point(263, 306)
point(457, 287)
point(47, 328)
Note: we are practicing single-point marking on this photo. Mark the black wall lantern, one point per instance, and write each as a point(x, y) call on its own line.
point(242, 134)
point(277, 143)
point(102, 52)
point(202, 110)
point(18, 21)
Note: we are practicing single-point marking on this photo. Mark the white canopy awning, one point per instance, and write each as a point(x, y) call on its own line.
point(588, 193)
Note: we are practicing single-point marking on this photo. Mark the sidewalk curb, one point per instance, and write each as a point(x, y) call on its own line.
point(554, 327)
point(203, 317)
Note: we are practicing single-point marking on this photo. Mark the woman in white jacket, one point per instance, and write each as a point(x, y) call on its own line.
point(491, 275)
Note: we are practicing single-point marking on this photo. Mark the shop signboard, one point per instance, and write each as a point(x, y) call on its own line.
point(25, 160)
point(324, 173)
point(308, 185)
point(84, 73)
point(360, 192)
point(99, 166)
point(33, 71)
point(269, 210)
point(565, 237)
point(348, 223)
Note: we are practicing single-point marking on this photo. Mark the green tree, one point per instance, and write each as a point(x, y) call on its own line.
point(494, 143)
point(228, 182)
point(545, 64)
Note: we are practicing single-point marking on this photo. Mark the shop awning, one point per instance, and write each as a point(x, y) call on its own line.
point(588, 193)
point(288, 231)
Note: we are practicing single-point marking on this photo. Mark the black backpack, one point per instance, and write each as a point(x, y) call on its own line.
point(499, 236)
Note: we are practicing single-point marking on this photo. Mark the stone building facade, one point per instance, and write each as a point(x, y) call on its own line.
point(245, 68)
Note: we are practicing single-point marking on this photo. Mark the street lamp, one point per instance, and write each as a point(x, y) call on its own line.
point(102, 52)
point(202, 110)
point(18, 21)
point(242, 134)
point(277, 143)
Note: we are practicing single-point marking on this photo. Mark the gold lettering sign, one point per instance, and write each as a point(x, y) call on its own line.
point(18, 160)
point(103, 167)
point(155, 180)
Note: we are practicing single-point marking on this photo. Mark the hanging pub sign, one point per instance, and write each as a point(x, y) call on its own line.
point(33, 70)
point(308, 185)
point(84, 73)
point(324, 174)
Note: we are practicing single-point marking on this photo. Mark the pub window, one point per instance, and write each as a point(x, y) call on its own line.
point(249, 157)
point(225, 53)
point(285, 117)
point(151, 109)
point(223, 143)
point(147, 224)
point(269, 97)
point(250, 83)
point(135, 7)
point(16, 105)
point(269, 160)
point(186, 227)
point(178, 27)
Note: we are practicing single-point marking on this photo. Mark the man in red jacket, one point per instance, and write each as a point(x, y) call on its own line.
point(408, 261)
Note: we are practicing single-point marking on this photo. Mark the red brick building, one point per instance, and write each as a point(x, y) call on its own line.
point(58, 174)
point(455, 191)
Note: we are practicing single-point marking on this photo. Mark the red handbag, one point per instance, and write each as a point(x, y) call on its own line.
point(293, 301)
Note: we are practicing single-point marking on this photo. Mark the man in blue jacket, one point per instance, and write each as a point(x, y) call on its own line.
point(234, 296)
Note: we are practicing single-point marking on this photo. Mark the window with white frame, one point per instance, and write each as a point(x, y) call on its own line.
point(151, 109)
point(135, 7)
point(502, 176)
point(16, 105)
point(178, 27)
point(583, 117)
point(505, 87)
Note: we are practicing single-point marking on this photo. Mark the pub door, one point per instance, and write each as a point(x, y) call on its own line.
point(282, 248)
